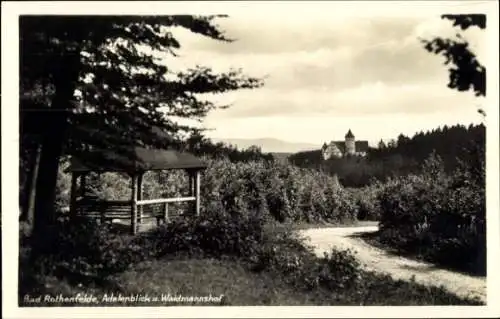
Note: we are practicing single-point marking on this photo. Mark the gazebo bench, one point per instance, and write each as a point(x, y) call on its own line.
point(134, 161)
point(106, 211)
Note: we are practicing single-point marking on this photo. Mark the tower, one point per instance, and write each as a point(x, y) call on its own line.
point(325, 152)
point(350, 143)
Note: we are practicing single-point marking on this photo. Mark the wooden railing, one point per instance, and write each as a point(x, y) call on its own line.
point(124, 209)
point(164, 201)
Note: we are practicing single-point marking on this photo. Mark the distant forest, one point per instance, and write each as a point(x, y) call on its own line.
point(401, 156)
point(201, 146)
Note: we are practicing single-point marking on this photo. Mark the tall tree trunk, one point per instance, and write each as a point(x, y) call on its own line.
point(51, 150)
point(66, 71)
point(29, 210)
point(26, 163)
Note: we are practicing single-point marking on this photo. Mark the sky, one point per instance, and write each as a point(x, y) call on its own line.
point(325, 74)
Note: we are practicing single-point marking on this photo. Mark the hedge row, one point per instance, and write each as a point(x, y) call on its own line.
point(278, 191)
point(437, 217)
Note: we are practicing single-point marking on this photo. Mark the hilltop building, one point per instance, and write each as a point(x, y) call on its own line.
point(348, 147)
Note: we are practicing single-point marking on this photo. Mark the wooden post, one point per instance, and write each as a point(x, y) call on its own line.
point(133, 205)
point(191, 206)
point(192, 190)
point(102, 209)
point(139, 197)
point(83, 189)
point(165, 214)
point(73, 194)
point(191, 183)
point(197, 193)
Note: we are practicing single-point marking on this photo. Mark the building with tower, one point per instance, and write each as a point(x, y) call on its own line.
point(348, 147)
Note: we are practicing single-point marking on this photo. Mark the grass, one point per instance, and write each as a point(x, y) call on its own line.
point(200, 277)
point(231, 283)
point(226, 278)
point(236, 282)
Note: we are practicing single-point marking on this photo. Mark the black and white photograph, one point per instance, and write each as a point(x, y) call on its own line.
point(183, 156)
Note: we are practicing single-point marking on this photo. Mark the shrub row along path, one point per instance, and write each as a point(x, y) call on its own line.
point(377, 260)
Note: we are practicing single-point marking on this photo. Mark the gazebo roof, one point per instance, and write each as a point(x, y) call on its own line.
point(133, 159)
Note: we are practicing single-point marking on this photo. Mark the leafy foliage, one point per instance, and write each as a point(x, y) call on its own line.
point(82, 251)
point(284, 253)
point(438, 217)
point(365, 198)
point(202, 146)
point(415, 211)
point(337, 277)
point(215, 234)
point(465, 71)
point(286, 193)
point(273, 190)
point(122, 84)
point(103, 81)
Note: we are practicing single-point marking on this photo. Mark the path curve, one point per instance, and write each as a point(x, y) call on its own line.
point(375, 259)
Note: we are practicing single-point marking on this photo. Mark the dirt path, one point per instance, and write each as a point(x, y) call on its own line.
point(375, 259)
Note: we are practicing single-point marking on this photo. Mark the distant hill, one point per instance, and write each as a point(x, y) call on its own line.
point(269, 145)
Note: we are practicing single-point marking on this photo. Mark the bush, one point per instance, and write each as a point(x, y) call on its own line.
point(366, 201)
point(63, 186)
point(278, 191)
point(281, 250)
point(245, 236)
point(211, 234)
point(284, 252)
point(271, 189)
point(85, 250)
point(437, 217)
point(82, 251)
point(339, 270)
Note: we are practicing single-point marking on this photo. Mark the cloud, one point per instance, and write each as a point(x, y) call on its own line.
point(374, 98)
point(336, 68)
point(331, 67)
point(332, 53)
point(260, 34)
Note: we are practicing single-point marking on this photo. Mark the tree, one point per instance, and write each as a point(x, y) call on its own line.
point(392, 143)
point(465, 71)
point(402, 140)
point(381, 145)
point(254, 149)
point(100, 81)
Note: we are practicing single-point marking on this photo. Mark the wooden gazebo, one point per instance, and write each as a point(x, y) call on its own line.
point(134, 161)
